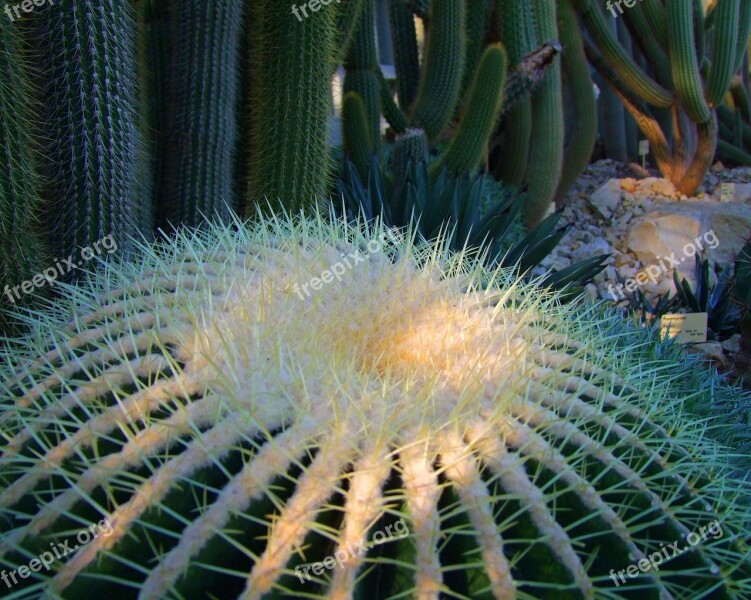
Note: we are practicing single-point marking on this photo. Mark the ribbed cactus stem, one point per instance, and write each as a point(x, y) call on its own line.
point(406, 55)
point(467, 150)
point(583, 116)
point(409, 149)
point(290, 163)
point(88, 61)
point(21, 255)
point(632, 75)
point(358, 143)
point(202, 131)
point(547, 137)
point(723, 50)
point(518, 37)
point(684, 62)
point(441, 75)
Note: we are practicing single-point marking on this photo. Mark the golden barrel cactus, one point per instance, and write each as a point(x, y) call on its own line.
point(306, 409)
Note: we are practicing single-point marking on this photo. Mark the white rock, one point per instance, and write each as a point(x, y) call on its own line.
point(606, 199)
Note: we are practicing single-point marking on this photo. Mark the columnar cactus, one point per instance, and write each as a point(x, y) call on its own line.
point(289, 106)
point(203, 86)
point(88, 64)
point(303, 409)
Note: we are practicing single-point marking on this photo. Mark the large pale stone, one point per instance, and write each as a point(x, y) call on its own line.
point(606, 199)
point(680, 228)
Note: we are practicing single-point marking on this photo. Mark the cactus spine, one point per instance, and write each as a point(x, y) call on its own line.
point(224, 433)
point(203, 88)
point(88, 60)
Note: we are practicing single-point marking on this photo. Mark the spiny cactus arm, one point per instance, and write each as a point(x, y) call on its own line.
point(348, 18)
point(478, 20)
point(516, 32)
point(630, 73)
point(393, 114)
point(700, 33)
point(740, 97)
point(648, 125)
point(744, 30)
point(575, 68)
point(290, 165)
point(547, 137)
point(655, 12)
point(705, 151)
point(411, 148)
point(96, 147)
point(358, 143)
point(683, 60)
point(366, 84)
point(467, 150)
point(202, 128)
point(441, 76)
point(640, 27)
point(730, 152)
point(523, 80)
point(406, 57)
point(724, 50)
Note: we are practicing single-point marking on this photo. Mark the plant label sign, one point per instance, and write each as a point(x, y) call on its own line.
point(727, 192)
point(685, 329)
point(643, 147)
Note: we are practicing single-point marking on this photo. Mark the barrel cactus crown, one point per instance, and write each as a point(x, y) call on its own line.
point(306, 409)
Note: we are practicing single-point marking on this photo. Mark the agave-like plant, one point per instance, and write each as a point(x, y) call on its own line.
point(249, 408)
point(464, 209)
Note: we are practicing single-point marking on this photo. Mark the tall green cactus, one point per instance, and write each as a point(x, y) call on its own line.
point(358, 141)
point(363, 72)
point(582, 107)
point(406, 55)
point(441, 76)
point(202, 85)
point(289, 162)
point(467, 150)
point(88, 66)
point(518, 36)
point(21, 255)
point(547, 135)
point(219, 425)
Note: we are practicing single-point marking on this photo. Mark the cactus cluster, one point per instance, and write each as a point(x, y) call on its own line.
point(237, 434)
point(693, 58)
